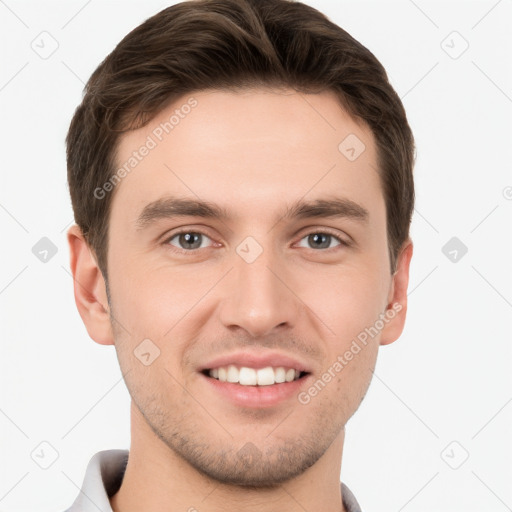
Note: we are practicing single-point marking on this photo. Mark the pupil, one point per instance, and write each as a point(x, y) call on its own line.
point(318, 237)
point(189, 238)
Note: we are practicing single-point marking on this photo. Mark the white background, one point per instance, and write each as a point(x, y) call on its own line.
point(449, 376)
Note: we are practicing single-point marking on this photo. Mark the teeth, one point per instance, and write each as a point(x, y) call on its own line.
point(280, 375)
point(252, 377)
point(232, 374)
point(247, 377)
point(265, 376)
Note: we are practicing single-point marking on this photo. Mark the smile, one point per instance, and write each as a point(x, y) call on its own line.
point(246, 376)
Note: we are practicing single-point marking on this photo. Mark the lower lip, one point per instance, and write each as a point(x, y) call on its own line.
point(257, 396)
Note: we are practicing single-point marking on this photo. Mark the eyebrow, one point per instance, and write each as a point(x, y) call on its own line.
point(170, 207)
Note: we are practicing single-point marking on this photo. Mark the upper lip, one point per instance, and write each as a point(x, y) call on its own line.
point(257, 360)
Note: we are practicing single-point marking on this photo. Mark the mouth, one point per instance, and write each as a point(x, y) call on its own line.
point(245, 387)
point(255, 379)
point(247, 376)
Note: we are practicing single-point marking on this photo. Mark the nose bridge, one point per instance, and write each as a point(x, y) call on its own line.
point(258, 300)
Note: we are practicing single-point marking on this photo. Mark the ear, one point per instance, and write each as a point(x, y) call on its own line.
point(89, 288)
point(397, 298)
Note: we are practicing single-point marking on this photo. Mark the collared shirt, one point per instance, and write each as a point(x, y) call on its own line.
point(104, 475)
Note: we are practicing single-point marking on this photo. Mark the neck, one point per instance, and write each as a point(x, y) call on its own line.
point(156, 478)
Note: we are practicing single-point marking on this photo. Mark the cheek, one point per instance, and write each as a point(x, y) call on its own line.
point(153, 300)
point(168, 306)
point(349, 303)
point(336, 393)
point(346, 299)
point(158, 301)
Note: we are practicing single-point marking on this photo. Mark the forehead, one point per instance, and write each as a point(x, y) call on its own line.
point(248, 151)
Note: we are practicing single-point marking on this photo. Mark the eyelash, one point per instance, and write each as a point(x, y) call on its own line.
point(173, 248)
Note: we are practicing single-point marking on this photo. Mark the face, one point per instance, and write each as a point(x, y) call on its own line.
point(270, 290)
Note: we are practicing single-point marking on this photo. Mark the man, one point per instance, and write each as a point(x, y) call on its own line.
point(241, 178)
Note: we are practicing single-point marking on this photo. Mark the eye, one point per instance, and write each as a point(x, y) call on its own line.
point(322, 240)
point(188, 240)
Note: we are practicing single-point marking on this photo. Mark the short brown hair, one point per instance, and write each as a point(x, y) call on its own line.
point(223, 44)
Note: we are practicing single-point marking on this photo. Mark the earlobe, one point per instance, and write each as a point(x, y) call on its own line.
point(397, 299)
point(89, 288)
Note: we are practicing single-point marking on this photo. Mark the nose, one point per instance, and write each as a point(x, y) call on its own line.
point(258, 296)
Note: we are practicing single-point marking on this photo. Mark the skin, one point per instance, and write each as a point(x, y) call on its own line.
point(252, 152)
